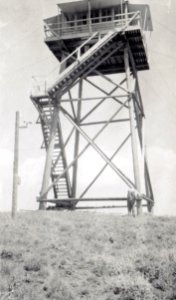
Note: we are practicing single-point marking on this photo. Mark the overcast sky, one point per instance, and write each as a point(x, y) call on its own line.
point(24, 54)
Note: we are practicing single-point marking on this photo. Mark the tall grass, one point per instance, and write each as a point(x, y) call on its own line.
point(82, 255)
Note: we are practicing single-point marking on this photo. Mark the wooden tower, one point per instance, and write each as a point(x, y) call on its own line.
point(94, 40)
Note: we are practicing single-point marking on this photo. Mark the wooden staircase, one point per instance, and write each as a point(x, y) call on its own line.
point(83, 64)
point(62, 187)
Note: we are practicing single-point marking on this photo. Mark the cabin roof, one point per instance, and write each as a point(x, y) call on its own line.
point(72, 6)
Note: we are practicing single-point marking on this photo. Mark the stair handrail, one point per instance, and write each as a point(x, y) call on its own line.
point(73, 64)
point(65, 25)
point(78, 49)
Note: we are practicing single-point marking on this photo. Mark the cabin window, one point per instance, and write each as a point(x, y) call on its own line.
point(117, 10)
point(95, 16)
point(82, 19)
point(69, 21)
point(106, 15)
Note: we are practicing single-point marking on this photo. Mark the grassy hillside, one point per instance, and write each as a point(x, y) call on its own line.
point(80, 255)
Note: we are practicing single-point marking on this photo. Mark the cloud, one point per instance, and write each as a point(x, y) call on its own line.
point(31, 173)
point(6, 171)
point(3, 24)
point(162, 166)
point(162, 163)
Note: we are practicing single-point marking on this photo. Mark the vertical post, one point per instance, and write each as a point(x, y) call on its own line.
point(149, 192)
point(113, 17)
point(60, 20)
point(77, 139)
point(136, 168)
point(143, 151)
point(100, 15)
point(15, 166)
point(89, 17)
point(62, 65)
point(68, 183)
point(75, 22)
point(48, 161)
point(113, 14)
point(126, 11)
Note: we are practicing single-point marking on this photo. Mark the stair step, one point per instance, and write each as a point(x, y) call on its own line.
point(92, 53)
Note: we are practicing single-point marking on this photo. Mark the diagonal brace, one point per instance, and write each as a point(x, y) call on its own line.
point(112, 81)
point(98, 150)
point(104, 167)
point(84, 149)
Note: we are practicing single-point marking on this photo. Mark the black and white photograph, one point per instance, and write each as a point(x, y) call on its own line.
point(87, 150)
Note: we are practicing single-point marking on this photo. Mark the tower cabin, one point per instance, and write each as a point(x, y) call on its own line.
point(77, 20)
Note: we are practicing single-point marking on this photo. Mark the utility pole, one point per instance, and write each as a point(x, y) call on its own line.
point(15, 166)
point(16, 178)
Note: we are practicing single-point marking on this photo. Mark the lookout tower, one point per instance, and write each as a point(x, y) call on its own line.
point(98, 43)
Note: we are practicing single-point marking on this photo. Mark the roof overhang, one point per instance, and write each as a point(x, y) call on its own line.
point(72, 6)
point(146, 18)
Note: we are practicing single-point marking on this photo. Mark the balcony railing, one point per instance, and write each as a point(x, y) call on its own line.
point(89, 26)
point(40, 88)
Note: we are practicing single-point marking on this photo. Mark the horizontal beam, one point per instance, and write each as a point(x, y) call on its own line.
point(128, 182)
point(104, 122)
point(93, 98)
point(103, 207)
point(104, 167)
point(104, 91)
point(83, 150)
point(83, 199)
point(112, 81)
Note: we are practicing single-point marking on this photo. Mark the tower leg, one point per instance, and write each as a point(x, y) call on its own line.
point(77, 138)
point(48, 161)
point(149, 191)
point(136, 168)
